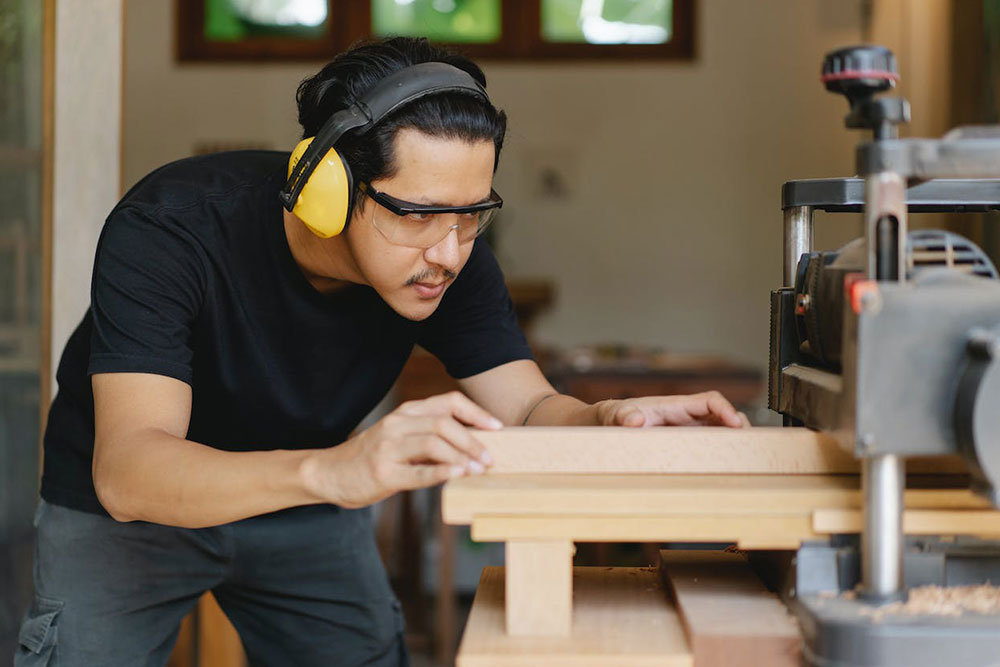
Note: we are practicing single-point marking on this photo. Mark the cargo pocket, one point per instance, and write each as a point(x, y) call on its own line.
point(399, 619)
point(38, 634)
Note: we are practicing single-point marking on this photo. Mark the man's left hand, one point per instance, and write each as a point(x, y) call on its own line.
point(709, 408)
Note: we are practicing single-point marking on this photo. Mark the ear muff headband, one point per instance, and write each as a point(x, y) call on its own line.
point(325, 204)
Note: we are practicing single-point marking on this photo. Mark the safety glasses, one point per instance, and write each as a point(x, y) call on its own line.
point(422, 226)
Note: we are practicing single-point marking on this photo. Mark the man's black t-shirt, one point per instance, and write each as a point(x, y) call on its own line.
point(194, 280)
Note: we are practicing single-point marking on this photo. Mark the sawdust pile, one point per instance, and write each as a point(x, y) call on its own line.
point(943, 601)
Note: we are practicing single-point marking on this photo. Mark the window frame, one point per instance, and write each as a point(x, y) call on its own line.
point(521, 38)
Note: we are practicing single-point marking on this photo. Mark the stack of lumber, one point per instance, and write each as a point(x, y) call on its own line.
point(763, 488)
point(702, 609)
point(755, 488)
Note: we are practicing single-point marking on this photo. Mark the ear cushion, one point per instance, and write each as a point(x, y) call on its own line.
point(325, 200)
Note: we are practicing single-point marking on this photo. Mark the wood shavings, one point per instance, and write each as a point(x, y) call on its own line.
point(942, 601)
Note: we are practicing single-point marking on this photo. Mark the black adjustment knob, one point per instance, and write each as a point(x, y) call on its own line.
point(859, 72)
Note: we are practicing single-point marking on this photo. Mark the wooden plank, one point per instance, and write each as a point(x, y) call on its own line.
point(980, 523)
point(539, 588)
point(730, 618)
point(634, 495)
point(676, 450)
point(688, 450)
point(782, 531)
point(621, 617)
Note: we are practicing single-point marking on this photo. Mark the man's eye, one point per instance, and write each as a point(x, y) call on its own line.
point(419, 217)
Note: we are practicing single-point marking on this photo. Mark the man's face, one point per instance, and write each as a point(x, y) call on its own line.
point(429, 170)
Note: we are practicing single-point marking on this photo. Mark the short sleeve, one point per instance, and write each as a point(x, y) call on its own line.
point(147, 291)
point(475, 328)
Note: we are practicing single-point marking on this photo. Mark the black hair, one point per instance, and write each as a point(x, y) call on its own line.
point(350, 75)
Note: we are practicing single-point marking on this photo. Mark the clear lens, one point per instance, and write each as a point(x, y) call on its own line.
point(425, 231)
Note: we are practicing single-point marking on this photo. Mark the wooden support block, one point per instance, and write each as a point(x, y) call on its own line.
point(677, 450)
point(779, 531)
point(539, 588)
point(622, 617)
point(980, 523)
point(730, 618)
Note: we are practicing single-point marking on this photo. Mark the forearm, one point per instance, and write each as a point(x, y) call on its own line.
point(163, 479)
point(563, 410)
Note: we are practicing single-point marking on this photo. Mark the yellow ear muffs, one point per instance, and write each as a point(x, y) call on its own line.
point(325, 200)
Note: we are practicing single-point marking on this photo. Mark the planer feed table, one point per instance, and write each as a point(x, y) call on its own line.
point(760, 489)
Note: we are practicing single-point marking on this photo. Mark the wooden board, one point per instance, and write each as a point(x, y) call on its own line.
point(730, 618)
point(621, 617)
point(780, 531)
point(634, 495)
point(619, 450)
point(676, 450)
point(981, 523)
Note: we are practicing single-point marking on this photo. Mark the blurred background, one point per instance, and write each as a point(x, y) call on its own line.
point(641, 231)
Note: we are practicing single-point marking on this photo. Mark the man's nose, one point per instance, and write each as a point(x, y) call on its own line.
point(445, 253)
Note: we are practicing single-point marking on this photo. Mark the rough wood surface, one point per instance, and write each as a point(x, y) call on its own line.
point(539, 588)
point(636, 495)
point(676, 450)
point(730, 618)
point(622, 617)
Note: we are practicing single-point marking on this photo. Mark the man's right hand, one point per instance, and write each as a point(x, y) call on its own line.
point(419, 444)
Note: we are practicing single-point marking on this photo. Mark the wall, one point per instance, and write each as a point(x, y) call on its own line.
point(87, 151)
point(670, 231)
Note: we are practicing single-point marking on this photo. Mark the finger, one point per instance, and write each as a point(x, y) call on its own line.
point(430, 448)
point(630, 416)
point(464, 440)
point(723, 410)
point(422, 476)
point(459, 406)
point(453, 433)
point(745, 420)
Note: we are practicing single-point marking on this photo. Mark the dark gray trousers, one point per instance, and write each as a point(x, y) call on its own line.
point(303, 587)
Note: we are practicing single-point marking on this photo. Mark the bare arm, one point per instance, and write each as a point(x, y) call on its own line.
point(515, 389)
point(518, 393)
point(145, 469)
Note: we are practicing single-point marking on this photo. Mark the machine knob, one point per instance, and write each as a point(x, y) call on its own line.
point(977, 410)
point(859, 72)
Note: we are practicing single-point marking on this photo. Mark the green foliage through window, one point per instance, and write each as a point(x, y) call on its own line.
point(233, 20)
point(606, 21)
point(453, 21)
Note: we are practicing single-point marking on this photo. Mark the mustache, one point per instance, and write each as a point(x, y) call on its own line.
point(423, 276)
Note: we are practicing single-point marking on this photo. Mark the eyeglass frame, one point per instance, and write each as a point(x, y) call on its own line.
point(402, 208)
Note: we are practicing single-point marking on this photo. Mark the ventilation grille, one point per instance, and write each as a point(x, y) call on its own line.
point(934, 248)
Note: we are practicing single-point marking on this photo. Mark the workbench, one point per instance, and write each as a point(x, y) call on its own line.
point(756, 489)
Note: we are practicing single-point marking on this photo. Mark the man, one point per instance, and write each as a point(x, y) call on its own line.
point(200, 439)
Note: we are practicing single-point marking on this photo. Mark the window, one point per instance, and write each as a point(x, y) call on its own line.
point(502, 29)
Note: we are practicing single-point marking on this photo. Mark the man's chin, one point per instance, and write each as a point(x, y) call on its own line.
point(414, 309)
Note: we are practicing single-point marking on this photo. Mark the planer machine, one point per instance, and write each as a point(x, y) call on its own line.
point(890, 344)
